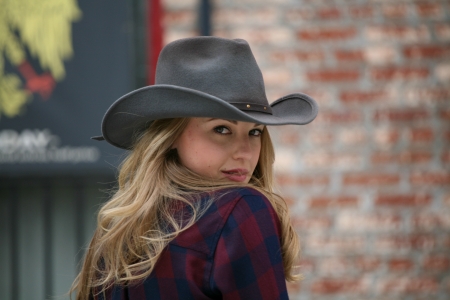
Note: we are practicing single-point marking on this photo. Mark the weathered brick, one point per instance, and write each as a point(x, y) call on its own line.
point(367, 263)
point(427, 95)
point(356, 221)
point(445, 157)
point(325, 159)
point(403, 200)
point(400, 264)
point(398, 33)
point(335, 245)
point(339, 285)
point(370, 179)
point(302, 180)
point(328, 13)
point(404, 243)
point(179, 17)
point(380, 55)
point(239, 16)
point(395, 10)
point(442, 31)
point(386, 137)
point(399, 73)
point(361, 11)
point(333, 75)
point(442, 72)
point(308, 224)
point(363, 97)
point(352, 136)
point(429, 9)
point(338, 202)
point(326, 34)
point(437, 263)
point(277, 77)
point(401, 115)
point(300, 55)
point(429, 221)
point(321, 138)
point(408, 285)
point(406, 157)
point(430, 178)
point(336, 117)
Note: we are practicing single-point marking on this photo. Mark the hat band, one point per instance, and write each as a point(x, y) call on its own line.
point(253, 107)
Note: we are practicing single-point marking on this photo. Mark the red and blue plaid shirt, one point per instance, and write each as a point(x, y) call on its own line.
point(232, 252)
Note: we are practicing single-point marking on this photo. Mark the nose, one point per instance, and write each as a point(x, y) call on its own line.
point(243, 148)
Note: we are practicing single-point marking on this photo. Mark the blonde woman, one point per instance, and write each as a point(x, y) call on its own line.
point(195, 215)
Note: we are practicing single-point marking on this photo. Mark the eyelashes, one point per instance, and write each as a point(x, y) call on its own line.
point(225, 130)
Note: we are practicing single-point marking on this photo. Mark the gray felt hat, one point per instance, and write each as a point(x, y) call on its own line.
point(203, 77)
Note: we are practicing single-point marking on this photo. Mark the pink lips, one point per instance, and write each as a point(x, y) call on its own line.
point(238, 175)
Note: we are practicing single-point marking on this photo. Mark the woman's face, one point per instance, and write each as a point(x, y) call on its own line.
point(220, 149)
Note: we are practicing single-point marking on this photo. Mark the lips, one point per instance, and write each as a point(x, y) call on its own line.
point(238, 175)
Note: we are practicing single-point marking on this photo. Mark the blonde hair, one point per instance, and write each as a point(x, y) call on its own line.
point(138, 222)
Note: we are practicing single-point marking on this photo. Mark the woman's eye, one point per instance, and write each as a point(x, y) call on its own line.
point(255, 132)
point(222, 130)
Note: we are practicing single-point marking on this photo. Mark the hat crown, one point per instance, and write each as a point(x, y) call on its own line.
point(220, 67)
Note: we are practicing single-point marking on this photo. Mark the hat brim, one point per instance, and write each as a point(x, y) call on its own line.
point(134, 112)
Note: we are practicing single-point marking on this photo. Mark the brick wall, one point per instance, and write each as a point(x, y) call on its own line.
point(368, 181)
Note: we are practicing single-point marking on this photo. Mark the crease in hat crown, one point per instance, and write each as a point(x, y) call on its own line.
point(203, 77)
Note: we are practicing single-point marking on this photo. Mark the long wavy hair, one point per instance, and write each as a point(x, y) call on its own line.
point(138, 222)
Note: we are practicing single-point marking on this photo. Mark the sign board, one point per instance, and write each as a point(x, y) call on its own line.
point(56, 85)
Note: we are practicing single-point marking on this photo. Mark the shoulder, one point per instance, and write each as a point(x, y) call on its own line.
point(242, 196)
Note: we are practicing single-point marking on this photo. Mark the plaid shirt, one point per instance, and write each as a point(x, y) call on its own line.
point(232, 252)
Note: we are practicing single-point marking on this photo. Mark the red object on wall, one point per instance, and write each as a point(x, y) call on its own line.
point(154, 37)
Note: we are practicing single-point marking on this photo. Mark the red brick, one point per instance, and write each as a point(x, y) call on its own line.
point(430, 178)
point(326, 34)
point(445, 114)
point(349, 55)
point(363, 12)
point(408, 285)
point(371, 179)
point(344, 117)
point(421, 135)
point(302, 180)
point(445, 157)
point(179, 17)
point(395, 10)
point(407, 157)
point(398, 33)
point(429, 9)
point(336, 286)
point(328, 13)
point(437, 263)
point(353, 136)
point(405, 200)
point(304, 56)
point(400, 264)
point(363, 97)
point(426, 51)
point(399, 73)
point(401, 115)
point(333, 75)
point(320, 202)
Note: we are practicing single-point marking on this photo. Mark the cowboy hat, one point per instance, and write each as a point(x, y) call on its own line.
point(203, 77)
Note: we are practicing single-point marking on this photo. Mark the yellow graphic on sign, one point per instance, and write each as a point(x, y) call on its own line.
point(44, 28)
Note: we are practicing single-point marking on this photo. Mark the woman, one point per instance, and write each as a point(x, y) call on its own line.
point(195, 215)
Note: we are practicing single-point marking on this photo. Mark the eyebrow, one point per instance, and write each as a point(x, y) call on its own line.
point(231, 121)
